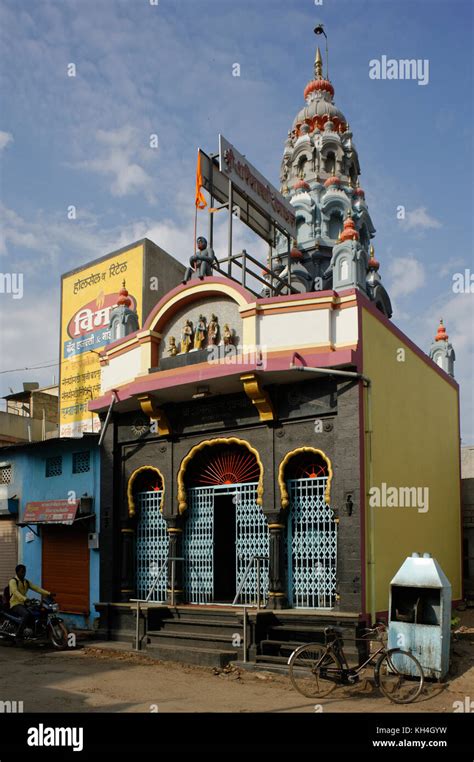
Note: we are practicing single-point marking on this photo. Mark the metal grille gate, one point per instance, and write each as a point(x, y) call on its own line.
point(151, 546)
point(252, 539)
point(312, 545)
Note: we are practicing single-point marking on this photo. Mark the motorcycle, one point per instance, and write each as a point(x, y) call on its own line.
point(43, 624)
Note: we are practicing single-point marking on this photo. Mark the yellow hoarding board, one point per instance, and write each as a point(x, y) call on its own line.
point(87, 299)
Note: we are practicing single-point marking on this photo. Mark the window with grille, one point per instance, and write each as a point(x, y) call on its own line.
point(5, 474)
point(54, 466)
point(81, 462)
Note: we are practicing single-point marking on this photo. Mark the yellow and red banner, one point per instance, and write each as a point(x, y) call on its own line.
point(87, 299)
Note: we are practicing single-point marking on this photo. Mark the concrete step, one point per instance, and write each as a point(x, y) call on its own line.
point(293, 627)
point(277, 660)
point(212, 657)
point(197, 625)
point(275, 647)
point(185, 637)
point(198, 616)
point(197, 612)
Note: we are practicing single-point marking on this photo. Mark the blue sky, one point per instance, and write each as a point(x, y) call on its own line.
point(167, 69)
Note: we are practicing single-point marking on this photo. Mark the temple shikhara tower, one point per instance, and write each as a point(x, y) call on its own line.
point(269, 436)
point(319, 174)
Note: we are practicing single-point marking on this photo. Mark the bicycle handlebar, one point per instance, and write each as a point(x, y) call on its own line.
point(379, 627)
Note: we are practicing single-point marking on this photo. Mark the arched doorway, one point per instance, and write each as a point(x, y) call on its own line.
point(225, 526)
point(305, 481)
point(145, 502)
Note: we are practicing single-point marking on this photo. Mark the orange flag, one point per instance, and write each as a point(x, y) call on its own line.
point(200, 200)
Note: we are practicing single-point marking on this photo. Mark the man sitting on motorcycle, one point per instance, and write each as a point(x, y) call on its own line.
point(19, 587)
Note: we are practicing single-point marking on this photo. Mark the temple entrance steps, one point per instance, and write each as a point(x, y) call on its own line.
point(212, 635)
point(196, 635)
point(280, 632)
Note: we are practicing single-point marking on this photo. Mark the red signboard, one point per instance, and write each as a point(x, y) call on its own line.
point(51, 512)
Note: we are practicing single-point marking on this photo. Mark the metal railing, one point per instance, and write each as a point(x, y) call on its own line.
point(139, 601)
point(257, 560)
point(241, 260)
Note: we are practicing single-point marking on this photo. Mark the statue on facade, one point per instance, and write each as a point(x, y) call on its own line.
point(172, 348)
point(201, 332)
point(202, 261)
point(227, 335)
point(187, 337)
point(213, 331)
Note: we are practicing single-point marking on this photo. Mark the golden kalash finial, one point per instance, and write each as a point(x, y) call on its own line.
point(318, 65)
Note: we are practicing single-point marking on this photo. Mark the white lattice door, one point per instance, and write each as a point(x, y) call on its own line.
point(251, 539)
point(312, 545)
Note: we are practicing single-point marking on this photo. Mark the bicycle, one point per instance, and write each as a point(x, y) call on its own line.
point(315, 669)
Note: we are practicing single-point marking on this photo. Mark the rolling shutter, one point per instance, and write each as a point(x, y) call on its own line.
point(8, 551)
point(65, 566)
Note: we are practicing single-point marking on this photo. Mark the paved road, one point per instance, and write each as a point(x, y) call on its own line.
point(95, 679)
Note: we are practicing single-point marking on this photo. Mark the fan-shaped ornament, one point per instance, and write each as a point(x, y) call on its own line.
point(229, 468)
point(312, 471)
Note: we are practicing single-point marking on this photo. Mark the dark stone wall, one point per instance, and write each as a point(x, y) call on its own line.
point(109, 517)
point(339, 440)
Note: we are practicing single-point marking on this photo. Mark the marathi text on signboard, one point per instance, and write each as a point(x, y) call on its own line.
point(51, 512)
point(88, 298)
point(249, 180)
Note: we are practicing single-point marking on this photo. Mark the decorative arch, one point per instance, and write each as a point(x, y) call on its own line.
point(343, 269)
point(333, 204)
point(303, 214)
point(299, 152)
point(335, 224)
point(285, 500)
point(183, 295)
point(182, 496)
point(329, 159)
point(131, 481)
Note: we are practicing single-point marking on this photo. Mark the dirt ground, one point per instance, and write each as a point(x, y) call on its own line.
point(94, 679)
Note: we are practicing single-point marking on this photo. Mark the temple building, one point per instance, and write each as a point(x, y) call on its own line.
point(283, 448)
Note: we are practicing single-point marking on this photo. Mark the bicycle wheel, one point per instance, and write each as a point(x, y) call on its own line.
point(399, 676)
point(314, 670)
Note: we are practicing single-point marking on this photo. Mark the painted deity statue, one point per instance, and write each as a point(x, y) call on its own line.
point(201, 332)
point(213, 331)
point(172, 348)
point(202, 261)
point(187, 337)
point(227, 335)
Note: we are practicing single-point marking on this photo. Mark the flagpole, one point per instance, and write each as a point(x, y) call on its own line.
point(199, 201)
point(195, 229)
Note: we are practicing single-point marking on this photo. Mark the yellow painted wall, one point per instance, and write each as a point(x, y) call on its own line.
point(415, 443)
point(88, 293)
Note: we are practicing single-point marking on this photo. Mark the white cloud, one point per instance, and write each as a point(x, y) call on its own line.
point(20, 318)
point(458, 317)
point(420, 219)
point(457, 313)
point(450, 266)
point(406, 275)
point(121, 150)
point(5, 139)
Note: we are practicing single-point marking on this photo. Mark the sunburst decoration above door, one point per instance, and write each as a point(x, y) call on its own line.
point(312, 471)
point(229, 467)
